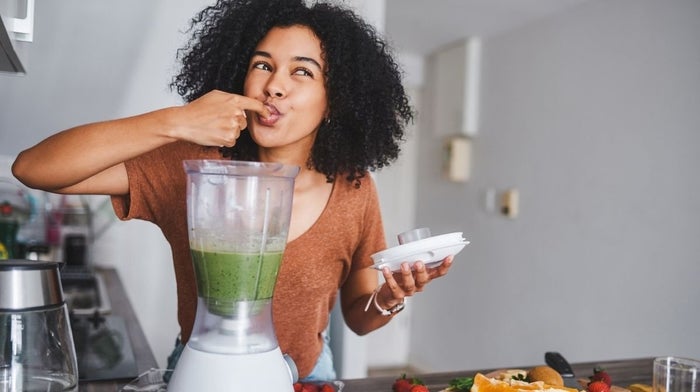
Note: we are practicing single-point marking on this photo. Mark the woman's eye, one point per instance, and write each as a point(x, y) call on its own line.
point(303, 72)
point(262, 65)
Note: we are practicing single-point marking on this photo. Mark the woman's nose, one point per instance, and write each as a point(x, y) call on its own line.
point(275, 87)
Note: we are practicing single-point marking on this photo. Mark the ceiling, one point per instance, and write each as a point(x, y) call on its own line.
point(421, 26)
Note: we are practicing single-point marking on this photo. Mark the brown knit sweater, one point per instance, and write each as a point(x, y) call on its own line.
point(314, 267)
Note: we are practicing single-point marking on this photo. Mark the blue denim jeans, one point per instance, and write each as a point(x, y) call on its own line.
point(323, 369)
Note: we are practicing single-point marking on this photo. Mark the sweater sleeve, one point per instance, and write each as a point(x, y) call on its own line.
point(154, 175)
point(372, 239)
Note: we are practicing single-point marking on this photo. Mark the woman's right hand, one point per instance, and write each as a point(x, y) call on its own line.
point(214, 119)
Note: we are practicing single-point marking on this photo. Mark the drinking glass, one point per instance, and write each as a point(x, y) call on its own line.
point(674, 374)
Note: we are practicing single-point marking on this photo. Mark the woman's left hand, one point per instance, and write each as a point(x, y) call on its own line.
point(409, 280)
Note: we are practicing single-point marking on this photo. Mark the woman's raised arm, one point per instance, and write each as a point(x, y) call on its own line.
point(89, 159)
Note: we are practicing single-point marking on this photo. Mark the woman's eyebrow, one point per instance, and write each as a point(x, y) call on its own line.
point(295, 58)
point(261, 53)
point(308, 60)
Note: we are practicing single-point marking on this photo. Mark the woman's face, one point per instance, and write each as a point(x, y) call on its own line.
point(286, 73)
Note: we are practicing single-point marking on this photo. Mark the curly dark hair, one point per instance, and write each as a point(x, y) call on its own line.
point(368, 107)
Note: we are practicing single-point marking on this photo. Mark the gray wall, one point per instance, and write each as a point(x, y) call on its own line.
point(593, 116)
point(79, 68)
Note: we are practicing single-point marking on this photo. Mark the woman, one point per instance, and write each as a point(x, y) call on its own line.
point(271, 81)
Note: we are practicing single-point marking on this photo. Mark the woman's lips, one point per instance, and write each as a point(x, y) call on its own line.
point(274, 116)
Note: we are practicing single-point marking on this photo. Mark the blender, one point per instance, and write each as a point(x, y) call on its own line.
point(238, 217)
point(36, 343)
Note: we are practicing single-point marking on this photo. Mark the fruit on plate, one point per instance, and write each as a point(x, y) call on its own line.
point(508, 374)
point(545, 374)
point(485, 384)
point(460, 384)
point(401, 385)
point(598, 386)
point(600, 374)
point(640, 388)
point(405, 384)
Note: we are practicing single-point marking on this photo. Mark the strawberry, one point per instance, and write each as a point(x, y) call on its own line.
point(598, 386)
point(419, 388)
point(599, 374)
point(309, 387)
point(327, 388)
point(401, 385)
point(297, 387)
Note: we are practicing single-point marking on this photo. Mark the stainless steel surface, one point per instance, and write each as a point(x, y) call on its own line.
point(86, 293)
point(103, 348)
point(26, 284)
point(37, 352)
point(121, 307)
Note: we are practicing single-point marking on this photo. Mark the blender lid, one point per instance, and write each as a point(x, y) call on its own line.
point(29, 285)
point(240, 168)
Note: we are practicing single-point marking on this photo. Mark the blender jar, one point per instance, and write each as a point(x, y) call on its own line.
point(238, 220)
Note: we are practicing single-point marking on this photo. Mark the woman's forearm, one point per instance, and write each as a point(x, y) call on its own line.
point(77, 154)
point(89, 158)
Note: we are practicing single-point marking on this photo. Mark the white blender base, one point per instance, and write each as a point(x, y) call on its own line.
point(202, 371)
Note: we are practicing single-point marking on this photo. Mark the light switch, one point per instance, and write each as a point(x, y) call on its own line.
point(457, 158)
point(510, 203)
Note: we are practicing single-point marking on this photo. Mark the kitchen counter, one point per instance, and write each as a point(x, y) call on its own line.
point(623, 373)
point(121, 307)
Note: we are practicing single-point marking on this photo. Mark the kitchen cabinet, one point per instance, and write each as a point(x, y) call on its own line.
point(455, 88)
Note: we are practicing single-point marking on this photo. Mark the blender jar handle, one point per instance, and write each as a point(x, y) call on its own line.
point(293, 371)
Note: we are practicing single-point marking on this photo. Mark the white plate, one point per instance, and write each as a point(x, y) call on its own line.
point(430, 251)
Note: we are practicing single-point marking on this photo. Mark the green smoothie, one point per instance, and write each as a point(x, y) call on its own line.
point(224, 278)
